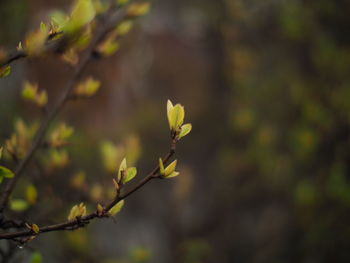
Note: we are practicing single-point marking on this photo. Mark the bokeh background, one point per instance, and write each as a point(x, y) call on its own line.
point(265, 171)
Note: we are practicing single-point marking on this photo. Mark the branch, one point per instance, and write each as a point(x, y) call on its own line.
point(111, 18)
point(15, 55)
point(80, 222)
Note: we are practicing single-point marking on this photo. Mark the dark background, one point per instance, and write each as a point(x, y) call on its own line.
point(264, 175)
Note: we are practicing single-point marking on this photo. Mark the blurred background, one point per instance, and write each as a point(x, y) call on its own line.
point(264, 175)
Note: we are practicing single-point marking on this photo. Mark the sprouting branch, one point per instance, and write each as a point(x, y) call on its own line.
point(80, 222)
point(112, 17)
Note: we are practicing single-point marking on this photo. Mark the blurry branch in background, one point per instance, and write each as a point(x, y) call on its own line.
point(110, 20)
point(92, 29)
point(78, 218)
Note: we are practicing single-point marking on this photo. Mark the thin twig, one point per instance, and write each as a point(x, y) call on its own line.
point(82, 221)
point(111, 20)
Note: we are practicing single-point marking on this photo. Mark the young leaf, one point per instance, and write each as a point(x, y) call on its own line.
point(5, 71)
point(170, 168)
point(122, 2)
point(35, 41)
point(77, 211)
point(31, 194)
point(122, 167)
point(59, 135)
point(138, 9)
point(124, 27)
point(173, 174)
point(18, 205)
point(108, 47)
point(35, 228)
point(42, 98)
point(177, 116)
point(169, 108)
point(161, 167)
point(111, 155)
point(30, 92)
point(185, 129)
point(19, 47)
point(116, 208)
point(5, 173)
point(88, 87)
point(71, 56)
point(130, 174)
point(36, 258)
point(100, 209)
point(83, 13)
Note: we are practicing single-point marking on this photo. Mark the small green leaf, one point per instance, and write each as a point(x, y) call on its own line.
point(18, 205)
point(173, 174)
point(5, 71)
point(170, 168)
point(176, 115)
point(138, 9)
point(35, 228)
point(58, 20)
point(124, 27)
point(82, 14)
point(42, 98)
point(130, 174)
point(29, 91)
point(6, 173)
point(185, 129)
point(161, 167)
point(122, 167)
point(43, 27)
point(88, 87)
point(116, 208)
point(36, 258)
point(31, 194)
point(122, 2)
point(169, 108)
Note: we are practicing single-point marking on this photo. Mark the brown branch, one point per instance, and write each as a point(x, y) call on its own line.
point(108, 23)
point(82, 221)
point(16, 55)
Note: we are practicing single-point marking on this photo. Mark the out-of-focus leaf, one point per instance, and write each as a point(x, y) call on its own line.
point(35, 228)
point(35, 41)
point(122, 2)
point(124, 27)
point(111, 156)
point(70, 56)
point(5, 172)
point(5, 71)
point(31, 194)
point(138, 9)
point(60, 135)
point(88, 87)
point(18, 205)
point(82, 13)
point(30, 92)
point(36, 257)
